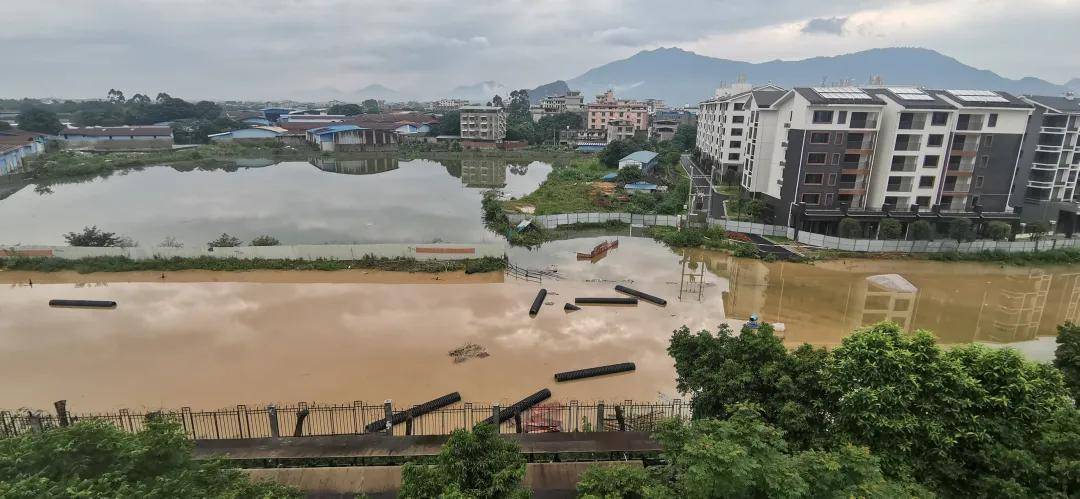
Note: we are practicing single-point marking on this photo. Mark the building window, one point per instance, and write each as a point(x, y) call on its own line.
point(925, 182)
point(979, 182)
point(836, 158)
point(816, 158)
point(939, 119)
point(823, 117)
point(931, 161)
point(832, 179)
point(733, 156)
point(813, 178)
point(738, 106)
point(734, 143)
point(819, 137)
point(841, 117)
point(992, 120)
point(923, 201)
point(852, 159)
point(839, 138)
point(736, 132)
point(829, 199)
point(738, 119)
point(811, 198)
point(935, 140)
point(988, 141)
point(984, 161)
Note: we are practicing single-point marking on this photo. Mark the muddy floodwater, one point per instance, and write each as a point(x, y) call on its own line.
point(375, 199)
point(180, 342)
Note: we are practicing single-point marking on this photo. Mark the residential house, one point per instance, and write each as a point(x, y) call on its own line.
point(351, 138)
point(447, 105)
point(255, 133)
point(645, 160)
point(663, 129)
point(16, 145)
point(571, 102)
point(483, 123)
point(406, 123)
point(608, 108)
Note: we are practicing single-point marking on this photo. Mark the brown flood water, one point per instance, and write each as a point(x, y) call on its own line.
point(336, 337)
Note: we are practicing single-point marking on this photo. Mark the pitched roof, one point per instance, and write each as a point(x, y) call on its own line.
point(334, 129)
point(16, 136)
point(766, 97)
point(104, 131)
point(1057, 103)
point(641, 156)
point(815, 98)
point(930, 101)
point(304, 126)
point(1010, 100)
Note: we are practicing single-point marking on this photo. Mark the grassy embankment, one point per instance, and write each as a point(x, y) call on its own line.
point(124, 264)
point(72, 164)
point(577, 188)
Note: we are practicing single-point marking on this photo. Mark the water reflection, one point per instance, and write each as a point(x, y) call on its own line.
point(376, 199)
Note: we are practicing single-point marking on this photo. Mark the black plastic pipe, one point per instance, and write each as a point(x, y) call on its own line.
point(538, 302)
point(606, 301)
point(595, 371)
point(644, 296)
point(82, 303)
point(570, 307)
point(414, 412)
point(521, 405)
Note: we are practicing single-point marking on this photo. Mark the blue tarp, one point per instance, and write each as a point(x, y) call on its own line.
point(640, 186)
point(610, 176)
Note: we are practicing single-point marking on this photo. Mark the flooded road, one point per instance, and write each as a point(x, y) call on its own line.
point(217, 344)
point(327, 200)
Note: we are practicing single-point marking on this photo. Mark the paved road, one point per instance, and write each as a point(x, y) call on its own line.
point(717, 208)
point(767, 246)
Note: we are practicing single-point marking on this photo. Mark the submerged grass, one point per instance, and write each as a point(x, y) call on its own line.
point(125, 264)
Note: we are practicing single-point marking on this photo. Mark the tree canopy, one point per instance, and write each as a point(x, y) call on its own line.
point(92, 236)
point(95, 459)
point(475, 464)
point(39, 120)
point(345, 109)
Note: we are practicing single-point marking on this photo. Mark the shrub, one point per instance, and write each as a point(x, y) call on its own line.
point(921, 230)
point(265, 241)
point(850, 228)
point(619, 481)
point(225, 241)
point(477, 464)
point(998, 231)
point(890, 228)
point(93, 237)
point(629, 174)
point(960, 229)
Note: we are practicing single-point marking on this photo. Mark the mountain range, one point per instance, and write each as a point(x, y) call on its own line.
point(681, 77)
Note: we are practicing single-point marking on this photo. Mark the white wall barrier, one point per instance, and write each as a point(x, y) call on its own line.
point(294, 252)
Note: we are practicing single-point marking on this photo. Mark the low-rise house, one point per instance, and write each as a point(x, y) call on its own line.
point(254, 118)
point(400, 123)
point(310, 118)
point(296, 133)
point(446, 105)
point(255, 133)
point(663, 129)
point(620, 130)
point(352, 138)
point(646, 160)
point(117, 137)
point(16, 145)
point(571, 102)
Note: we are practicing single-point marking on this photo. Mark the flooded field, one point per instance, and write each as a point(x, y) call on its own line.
point(214, 344)
point(327, 200)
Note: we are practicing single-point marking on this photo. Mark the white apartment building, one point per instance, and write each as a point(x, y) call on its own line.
point(483, 123)
point(722, 127)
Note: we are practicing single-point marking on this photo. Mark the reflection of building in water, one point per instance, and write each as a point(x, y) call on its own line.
point(748, 283)
point(1064, 301)
point(483, 173)
point(360, 166)
point(9, 187)
point(885, 297)
point(1018, 310)
point(692, 281)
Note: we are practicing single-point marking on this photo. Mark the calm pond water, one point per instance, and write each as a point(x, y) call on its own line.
point(376, 199)
point(215, 344)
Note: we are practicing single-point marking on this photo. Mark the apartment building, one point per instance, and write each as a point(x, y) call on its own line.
point(1046, 180)
point(571, 102)
point(722, 126)
point(483, 123)
point(816, 155)
point(608, 108)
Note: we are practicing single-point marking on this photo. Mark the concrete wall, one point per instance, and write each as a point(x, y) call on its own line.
point(298, 252)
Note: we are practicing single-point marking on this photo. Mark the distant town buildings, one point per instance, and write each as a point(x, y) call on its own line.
point(571, 102)
point(607, 108)
point(447, 105)
point(486, 123)
point(255, 133)
point(117, 137)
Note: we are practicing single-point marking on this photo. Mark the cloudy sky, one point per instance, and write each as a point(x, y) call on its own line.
point(261, 49)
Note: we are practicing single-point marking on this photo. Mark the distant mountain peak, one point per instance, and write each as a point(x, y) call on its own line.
point(1073, 84)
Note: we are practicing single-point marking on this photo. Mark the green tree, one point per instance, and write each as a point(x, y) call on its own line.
point(92, 236)
point(685, 138)
point(1038, 230)
point(618, 149)
point(345, 109)
point(890, 228)
point(477, 464)
point(960, 229)
point(921, 230)
point(225, 241)
point(95, 459)
point(1067, 356)
point(616, 482)
point(371, 106)
point(265, 241)
point(723, 369)
point(519, 104)
point(850, 228)
point(115, 96)
point(449, 124)
point(39, 120)
point(5, 126)
point(629, 174)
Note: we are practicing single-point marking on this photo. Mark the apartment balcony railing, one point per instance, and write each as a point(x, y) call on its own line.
point(906, 187)
point(911, 145)
point(868, 123)
point(863, 145)
point(973, 124)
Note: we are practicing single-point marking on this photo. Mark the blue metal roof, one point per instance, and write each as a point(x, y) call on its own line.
point(610, 176)
point(334, 129)
point(590, 148)
point(644, 186)
point(641, 156)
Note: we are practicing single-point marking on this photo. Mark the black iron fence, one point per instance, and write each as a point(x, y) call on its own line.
point(359, 418)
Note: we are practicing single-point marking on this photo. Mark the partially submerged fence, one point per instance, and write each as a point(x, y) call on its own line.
point(292, 252)
point(350, 419)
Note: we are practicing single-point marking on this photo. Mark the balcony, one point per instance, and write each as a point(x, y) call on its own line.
point(969, 122)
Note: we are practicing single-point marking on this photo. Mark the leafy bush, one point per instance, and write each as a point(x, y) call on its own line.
point(921, 230)
point(614, 482)
point(225, 241)
point(890, 228)
point(998, 231)
point(92, 236)
point(960, 229)
point(629, 174)
point(477, 464)
point(264, 241)
point(95, 459)
point(1067, 357)
point(850, 228)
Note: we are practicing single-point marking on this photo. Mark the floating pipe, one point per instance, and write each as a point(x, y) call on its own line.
point(606, 301)
point(570, 307)
point(414, 412)
point(644, 296)
point(595, 371)
point(82, 303)
point(538, 302)
point(521, 405)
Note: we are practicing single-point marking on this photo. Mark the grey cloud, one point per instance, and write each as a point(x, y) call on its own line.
point(829, 25)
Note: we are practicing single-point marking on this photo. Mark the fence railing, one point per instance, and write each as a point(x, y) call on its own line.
point(939, 246)
point(360, 418)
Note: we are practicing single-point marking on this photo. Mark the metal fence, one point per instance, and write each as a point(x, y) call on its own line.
point(938, 246)
point(359, 418)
